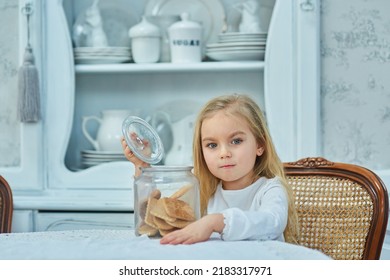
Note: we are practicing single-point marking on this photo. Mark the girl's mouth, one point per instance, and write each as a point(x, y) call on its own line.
point(227, 166)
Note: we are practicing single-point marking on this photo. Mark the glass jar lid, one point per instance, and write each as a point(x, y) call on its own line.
point(142, 140)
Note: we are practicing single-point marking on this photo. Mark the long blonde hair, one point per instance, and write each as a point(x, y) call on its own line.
point(268, 165)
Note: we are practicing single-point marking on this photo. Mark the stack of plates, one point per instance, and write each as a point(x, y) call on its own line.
point(238, 46)
point(104, 55)
point(92, 158)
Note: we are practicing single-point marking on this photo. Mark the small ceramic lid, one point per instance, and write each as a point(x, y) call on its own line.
point(185, 23)
point(144, 29)
point(142, 139)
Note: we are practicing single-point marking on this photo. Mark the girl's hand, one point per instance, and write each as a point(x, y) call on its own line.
point(198, 231)
point(132, 158)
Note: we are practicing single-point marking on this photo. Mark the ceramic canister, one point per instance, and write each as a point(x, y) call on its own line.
point(145, 42)
point(185, 40)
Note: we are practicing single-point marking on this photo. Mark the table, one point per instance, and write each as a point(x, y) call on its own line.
point(123, 244)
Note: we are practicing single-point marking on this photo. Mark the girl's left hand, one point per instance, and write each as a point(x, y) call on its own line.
point(197, 231)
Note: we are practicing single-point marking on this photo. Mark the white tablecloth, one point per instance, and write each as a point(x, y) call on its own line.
point(123, 244)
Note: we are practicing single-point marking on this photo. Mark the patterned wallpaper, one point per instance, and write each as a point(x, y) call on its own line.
point(355, 81)
point(355, 84)
point(9, 57)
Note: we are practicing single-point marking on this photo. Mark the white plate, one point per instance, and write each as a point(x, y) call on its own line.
point(255, 40)
point(102, 157)
point(210, 13)
point(99, 55)
point(240, 34)
point(106, 51)
point(218, 50)
point(98, 153)
point(101, 60)
point(244, 44)
point(236, 55)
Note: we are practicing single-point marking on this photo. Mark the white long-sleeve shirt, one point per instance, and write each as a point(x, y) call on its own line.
point(259, 211)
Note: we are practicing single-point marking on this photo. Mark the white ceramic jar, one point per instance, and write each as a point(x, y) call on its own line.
point(185, 40)
point(145, 42)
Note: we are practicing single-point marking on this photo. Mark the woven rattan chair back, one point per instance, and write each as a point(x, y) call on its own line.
point(342, 208)
point(6, 206)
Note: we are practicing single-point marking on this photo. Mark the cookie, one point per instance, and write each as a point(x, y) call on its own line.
point(148, 230)
point(152, 202)
point(180, 192)
point(162, 224)
point(156, 193)
point(165, 232)
point(142, 208)
point(179, 223)
point(159, 211)
point(178, 209)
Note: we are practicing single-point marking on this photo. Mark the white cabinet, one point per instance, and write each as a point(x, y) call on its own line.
point(50, 221)
point(22, 220)
point(72, 196)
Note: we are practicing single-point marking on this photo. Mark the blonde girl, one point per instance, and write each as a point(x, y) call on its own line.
point(244, 194)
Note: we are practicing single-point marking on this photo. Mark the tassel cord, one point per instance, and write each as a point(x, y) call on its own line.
point(29, 93)
point(27, 11)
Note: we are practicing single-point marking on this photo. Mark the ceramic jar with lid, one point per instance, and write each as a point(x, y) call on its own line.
point(185, 40)
point(166, 198)
point(145, 42)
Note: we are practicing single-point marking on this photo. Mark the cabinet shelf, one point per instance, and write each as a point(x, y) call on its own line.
point(171, 67)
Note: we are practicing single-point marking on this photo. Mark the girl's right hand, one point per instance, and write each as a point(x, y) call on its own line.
point(138, 163)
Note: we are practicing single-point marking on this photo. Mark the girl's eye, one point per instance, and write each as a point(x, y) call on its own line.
point(211, 145)
point(236, 141)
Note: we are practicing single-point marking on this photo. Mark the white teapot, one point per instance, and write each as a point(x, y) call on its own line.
point(179, 148)
point(109, 131)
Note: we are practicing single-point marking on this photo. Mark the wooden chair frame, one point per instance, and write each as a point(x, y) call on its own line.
point(6, 206)
point(369, 182)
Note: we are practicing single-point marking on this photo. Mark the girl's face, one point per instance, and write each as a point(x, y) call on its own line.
point(230, 149)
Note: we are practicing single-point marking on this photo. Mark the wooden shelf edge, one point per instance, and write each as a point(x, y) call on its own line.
point(170, 67)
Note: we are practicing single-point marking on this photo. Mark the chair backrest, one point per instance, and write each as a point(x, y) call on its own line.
point(6, 206)
point(342, 208)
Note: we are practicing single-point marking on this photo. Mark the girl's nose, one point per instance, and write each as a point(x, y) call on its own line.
point(225, 152)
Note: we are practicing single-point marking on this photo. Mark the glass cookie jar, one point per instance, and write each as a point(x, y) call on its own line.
point(166, 198)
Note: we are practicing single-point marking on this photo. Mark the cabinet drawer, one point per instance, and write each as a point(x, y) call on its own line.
point(22, 220)
point(49, 221)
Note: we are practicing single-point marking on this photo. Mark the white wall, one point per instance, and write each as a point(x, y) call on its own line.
point(355, 84)
point(9, 63)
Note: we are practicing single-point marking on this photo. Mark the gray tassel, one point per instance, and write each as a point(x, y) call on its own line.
point(29, 95)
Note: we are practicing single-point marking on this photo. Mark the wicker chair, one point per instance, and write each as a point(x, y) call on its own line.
point(342, 208)
point(6, 206)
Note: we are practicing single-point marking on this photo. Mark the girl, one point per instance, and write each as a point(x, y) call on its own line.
point(244, 194)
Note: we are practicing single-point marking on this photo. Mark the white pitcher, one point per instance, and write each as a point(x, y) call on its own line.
point(109, 131)
point(180, 151)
